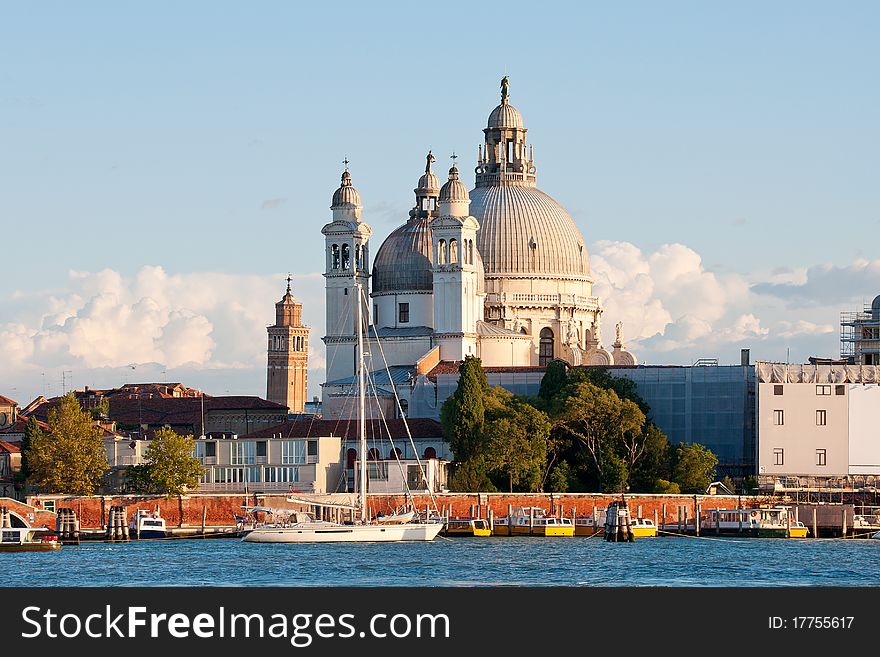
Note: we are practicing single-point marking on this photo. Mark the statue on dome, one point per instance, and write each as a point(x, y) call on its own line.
point(430, 160)
point(618, 328)
point(505, 89)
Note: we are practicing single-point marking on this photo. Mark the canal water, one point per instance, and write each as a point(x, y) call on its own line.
point(517, 561)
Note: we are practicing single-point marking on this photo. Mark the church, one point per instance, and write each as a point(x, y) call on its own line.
point(500, 272)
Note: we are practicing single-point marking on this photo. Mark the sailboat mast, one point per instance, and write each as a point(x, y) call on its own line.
point(362, 422)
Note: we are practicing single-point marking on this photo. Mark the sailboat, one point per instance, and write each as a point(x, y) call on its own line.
point(306, 529)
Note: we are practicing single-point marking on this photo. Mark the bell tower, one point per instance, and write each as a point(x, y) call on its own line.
point(288, 355)
point(347, 264)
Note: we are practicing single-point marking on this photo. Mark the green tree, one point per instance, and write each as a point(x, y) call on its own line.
point(604, 424)
point(463, 414)
point(138, 480)
point(561, 478)
point(667, 487)
point(469, 477)
point(102, 410)
point(515, 436)
point(599, 376)
point(31, 432)
point(654, 462)
point(70, 457)
point(554, 380)
point(694, 467)
point(171, 465)
point(613, 475)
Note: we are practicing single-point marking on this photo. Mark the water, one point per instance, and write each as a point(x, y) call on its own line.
point(516, 561)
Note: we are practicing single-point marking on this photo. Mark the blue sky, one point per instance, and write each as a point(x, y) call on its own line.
point(208, 137)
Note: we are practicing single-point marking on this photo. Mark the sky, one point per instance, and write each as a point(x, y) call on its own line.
point(163, 166)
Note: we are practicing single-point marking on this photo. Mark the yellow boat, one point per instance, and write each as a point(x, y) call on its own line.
point(466, 527)
point(643, 528)
point(533, 521)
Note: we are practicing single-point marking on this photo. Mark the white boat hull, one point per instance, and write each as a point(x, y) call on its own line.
point(332, 533)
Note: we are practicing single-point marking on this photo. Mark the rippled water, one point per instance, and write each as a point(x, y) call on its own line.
point(499, 561)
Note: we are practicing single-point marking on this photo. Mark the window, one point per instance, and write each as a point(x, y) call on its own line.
point(441, 252)
point(545, 348)
point(778, 456)
point(404, 408)
point(778, 418)
point(839, 390)
point(261, 448)
point(334, 256)
point(778, 390)
point(243, 453)
point(403, 313)
point(821, 457)
point(293, 452)
point(429, 453)
point(823, 390)
point(205, 449)
point(821, 418)
point(377, 471)
point(211, 448)
point(49, 505)
point(312, 451)
point(346, 257)
point(453, 251)
point(280, 475)
point(414, 480)
point(350, 457)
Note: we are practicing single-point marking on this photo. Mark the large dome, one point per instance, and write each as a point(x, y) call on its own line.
point(404, 263)
point(525, 232)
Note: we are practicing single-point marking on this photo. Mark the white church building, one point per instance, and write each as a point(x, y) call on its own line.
point(500, 272)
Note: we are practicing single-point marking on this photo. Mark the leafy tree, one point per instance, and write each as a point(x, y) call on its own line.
point(515, 435)
point(31, 431)
point(654, 462)
point(749, 484)
point(561, 478)
point(694, 467)
point(554, 380)
point(138, 480)
point(604, 424)
point(102, 410)
point(470, 476)
point(667, 487)
point(613, 474)
point(171, 465)
point(70, 457)
point(599, 376)
point(463, 413)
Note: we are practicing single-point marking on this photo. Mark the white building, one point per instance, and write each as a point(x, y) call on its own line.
point(500, 272)
point(817, 422)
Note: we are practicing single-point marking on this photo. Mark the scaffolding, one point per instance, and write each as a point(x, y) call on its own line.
point(860, 335)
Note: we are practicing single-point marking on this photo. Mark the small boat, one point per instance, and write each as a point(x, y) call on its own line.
point(533, 521)
point(25, 539)
point(467, 527)
point(396, 518)
point(776, 522)
point(643, 528)
point(147, 524)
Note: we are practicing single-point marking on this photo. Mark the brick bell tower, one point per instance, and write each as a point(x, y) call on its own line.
point(288, 355)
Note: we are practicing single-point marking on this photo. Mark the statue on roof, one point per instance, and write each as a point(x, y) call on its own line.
point(505, 89)
point(430, 160)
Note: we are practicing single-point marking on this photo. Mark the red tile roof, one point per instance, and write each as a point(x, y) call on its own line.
point(7, 400)
point(12, 448)
point(348, 429)
point(451, 367)
point(20, 424)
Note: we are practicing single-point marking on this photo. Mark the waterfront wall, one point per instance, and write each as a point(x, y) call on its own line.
point(220, 509)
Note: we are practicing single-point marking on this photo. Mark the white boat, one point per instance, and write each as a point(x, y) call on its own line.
point(26, 539)
point(147, 524)
point(305, 528)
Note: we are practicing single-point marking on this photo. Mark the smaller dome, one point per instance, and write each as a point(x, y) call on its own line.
point(454, 191)
point(505, 116)
point(346, 194)
point(429, 184)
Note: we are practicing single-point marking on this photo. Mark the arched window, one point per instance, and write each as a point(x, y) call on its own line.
point(404, 407)
point(373, 454)
point(350, 457)
point(545, 349)
point(453, 251)
point(395, 454)
point(346, 257)
point(357, 256)
point(471, 251)
point(430, 453)
point(441, 252)
point(334, 256)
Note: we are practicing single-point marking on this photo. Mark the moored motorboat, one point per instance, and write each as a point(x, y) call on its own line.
point(28, 539)
point(643, 528)
point(532, 521)
point(146, 524)
point(467, 527)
